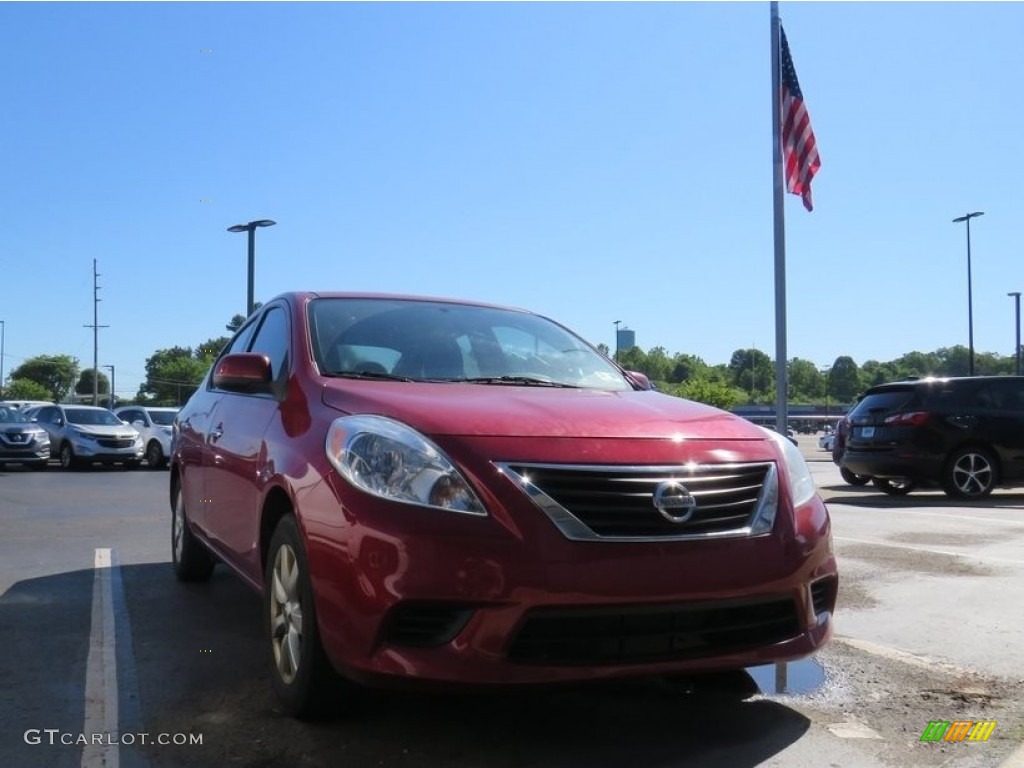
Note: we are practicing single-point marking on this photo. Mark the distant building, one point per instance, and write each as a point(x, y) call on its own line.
point(625, 339)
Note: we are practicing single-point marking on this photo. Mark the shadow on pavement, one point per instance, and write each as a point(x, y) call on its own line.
point(194, 656)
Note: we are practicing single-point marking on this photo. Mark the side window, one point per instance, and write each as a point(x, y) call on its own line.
point(272, 340)
point(1007, 395)
point(45, 415)
point(241, 340)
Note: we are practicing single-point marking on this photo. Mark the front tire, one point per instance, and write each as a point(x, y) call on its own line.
point(970, 473)
point(854, 479)
point(155, 455)
point(894, 486)
point(303, 678)
point(67, 457)
point(191, 560)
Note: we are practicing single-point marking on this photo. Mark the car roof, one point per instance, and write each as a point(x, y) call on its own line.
point(302, 296)
point(932, 381)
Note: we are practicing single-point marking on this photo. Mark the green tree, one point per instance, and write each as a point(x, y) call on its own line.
point(56, 373)
point(753, 372)
point(84, 385)
point(686, 367)
point(844, 380)
point(236, 321)
point(26, 389)
point(172, 375)
point(209, 349)
point(806, 382)
point(710, 392)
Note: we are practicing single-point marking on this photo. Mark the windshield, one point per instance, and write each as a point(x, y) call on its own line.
point(437, 341)
point(90, 417)
point(12, 416)
point(163, 418)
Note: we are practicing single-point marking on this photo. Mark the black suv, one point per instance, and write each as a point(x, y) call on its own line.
point(965, 434)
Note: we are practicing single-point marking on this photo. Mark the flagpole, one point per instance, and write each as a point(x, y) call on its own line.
point(780, 231)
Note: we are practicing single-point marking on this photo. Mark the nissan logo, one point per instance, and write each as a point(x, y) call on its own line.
point(674, 501)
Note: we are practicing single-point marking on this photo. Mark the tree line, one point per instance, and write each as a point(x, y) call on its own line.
point(749, 376)
point(173, 374)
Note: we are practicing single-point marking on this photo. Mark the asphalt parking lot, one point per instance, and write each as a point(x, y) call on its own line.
point(100, 638)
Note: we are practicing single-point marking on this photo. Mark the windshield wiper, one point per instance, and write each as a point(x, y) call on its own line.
point(367, 375)
point(524, 381)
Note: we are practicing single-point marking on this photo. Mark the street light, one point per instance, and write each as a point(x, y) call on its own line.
point(617, 323)
point(1017, 327)
point(111, 402)
point(3, 331)
point(251, 229)
point(970, 297)
point(828, 380)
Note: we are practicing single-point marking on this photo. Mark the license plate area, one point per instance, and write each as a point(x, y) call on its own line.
point(866, 433)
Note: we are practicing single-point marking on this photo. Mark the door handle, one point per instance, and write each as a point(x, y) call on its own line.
point(216, 433)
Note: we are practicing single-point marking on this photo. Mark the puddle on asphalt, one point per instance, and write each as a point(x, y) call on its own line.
point(794, 677)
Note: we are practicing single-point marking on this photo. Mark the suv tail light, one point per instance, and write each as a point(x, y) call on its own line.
point(912, 419)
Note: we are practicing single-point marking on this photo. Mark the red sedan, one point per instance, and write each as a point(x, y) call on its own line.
point(445, 491)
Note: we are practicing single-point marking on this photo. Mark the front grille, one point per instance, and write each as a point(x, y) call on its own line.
point(823, 594)
point(618, 502)
point(425, 625)
point(653, 633)
point(108, 442)
point(16, 437)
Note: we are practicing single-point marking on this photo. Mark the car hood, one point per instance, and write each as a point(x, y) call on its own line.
point(482, 410)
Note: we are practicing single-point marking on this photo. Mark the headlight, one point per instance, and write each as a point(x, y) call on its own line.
point(801, 483)
point(84, 435)
point(388, 459)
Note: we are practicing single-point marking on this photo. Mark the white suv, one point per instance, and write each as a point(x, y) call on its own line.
point(154, 424)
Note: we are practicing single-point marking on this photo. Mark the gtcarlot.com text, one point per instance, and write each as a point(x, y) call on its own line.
point(54, 737)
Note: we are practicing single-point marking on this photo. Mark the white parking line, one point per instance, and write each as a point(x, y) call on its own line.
point(929, 550)
point(101, 671)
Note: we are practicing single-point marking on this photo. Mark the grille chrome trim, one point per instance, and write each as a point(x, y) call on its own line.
point(758, 522)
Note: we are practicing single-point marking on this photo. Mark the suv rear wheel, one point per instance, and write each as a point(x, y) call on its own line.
point(894, 486)
point(970, 473)
point(854, 479)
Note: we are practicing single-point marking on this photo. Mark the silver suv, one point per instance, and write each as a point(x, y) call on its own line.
point(83, 434)
point(154, 424)
point(21, 441)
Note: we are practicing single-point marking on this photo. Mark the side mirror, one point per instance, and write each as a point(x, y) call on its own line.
point(139, 424)
point(639, 380)
point(243, 372)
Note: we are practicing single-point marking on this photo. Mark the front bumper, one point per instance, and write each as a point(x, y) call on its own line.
point(418, 595)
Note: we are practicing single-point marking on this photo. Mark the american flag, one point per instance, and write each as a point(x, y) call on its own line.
point(799, 149)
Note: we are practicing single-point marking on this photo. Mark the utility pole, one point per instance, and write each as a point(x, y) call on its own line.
point(95, 335)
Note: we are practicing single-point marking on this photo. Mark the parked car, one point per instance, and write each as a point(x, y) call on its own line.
point(23, 404)
point(443, 491)
point(83, 434)
point(842, 429)
point(826, 441)
point(154, 424)
point(21, 441)
point(965, 435)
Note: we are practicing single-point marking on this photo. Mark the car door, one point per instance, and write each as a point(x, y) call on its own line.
point(237, 456)
point(1001, 424)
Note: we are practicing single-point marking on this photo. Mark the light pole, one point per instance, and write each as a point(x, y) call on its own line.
point(251, 229)
point(3, 331)
point(966, 218)
point(1017, 328)
point(617, 323)
point(828, 381)
point(111, 403)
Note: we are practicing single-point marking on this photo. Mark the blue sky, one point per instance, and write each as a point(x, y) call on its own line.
point(591, 161)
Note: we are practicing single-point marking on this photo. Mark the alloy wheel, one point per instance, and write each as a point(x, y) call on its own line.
point(972, 474)
point(286, 614)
